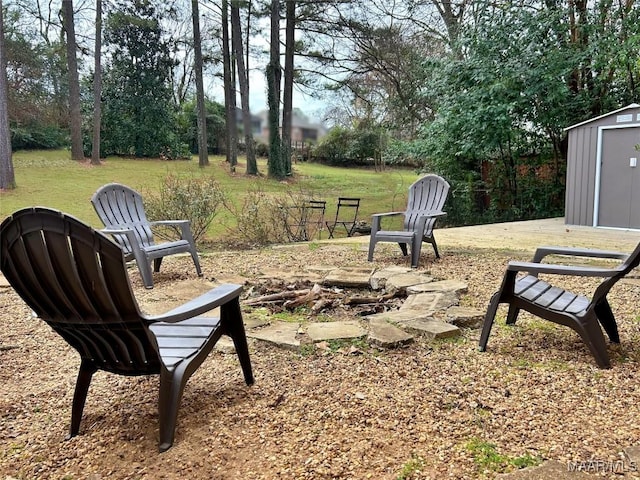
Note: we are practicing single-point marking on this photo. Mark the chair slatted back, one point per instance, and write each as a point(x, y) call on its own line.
point(349, 207)
point(313, 216)
point(119, 206)
point(75, 279)
point(427, 194)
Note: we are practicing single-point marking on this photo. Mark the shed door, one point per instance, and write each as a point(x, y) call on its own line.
point(619, 179)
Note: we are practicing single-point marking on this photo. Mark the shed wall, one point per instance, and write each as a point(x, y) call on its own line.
point(581, 167)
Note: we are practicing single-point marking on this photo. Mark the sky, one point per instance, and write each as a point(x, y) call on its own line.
point(313, 108)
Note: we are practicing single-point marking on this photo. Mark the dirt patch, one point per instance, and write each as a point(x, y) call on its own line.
point(430, 410)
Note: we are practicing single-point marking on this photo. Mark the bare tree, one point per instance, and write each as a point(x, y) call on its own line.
point(276, 168)
point(287, 96)
point(74, 82)
point(7, 176)
point(229, 92)
point(243, 80)
point(203, 149)
point(97, 87)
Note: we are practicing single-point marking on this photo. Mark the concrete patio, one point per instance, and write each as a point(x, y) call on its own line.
point(527, 235)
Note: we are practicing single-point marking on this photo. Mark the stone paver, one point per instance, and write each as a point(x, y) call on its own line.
point(400, 283)
point(633, 455)
point(427, 303)
point(251, 322)
point(454, 286)
point(322, 270)
point(291, 277)
point(465, 317)
point(379, 278)
point(399, 316)
point(282, 334)
point(547, 471)
point(431, 328)
point(335, 330)
point(386, 335)
point(349, 277)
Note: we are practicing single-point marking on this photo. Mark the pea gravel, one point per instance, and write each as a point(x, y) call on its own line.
point(432, 410)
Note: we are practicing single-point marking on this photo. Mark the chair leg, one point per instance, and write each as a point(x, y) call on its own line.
point(607, 320)
point(416, 248)
point(196, 261)
point(156, 264)
point(512, 315)
point(231, 321)
point(80, 396)
point(403, 247)
point(330, 230)
point(488, 321)
point(435, 246)
point(591, 333)
point(144, 267)
point(171, 388)
point(350, 230)
point(372, 246)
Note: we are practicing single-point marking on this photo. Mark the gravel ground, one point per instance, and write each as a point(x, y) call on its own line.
point(431, 410)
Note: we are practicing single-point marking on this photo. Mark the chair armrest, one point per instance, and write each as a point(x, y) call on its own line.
point(434, 214)
point(542, 252)
point(185, 228)
point(376, 220)
point(421, 222)
point(387, 214)
point(127, 232)
point(113, 231)
point(208, 301)
point(536, 268)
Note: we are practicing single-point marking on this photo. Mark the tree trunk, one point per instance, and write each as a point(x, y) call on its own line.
point(287, 104)
point(236, 36)
point(276, 168)
point(74, 83)
point(203, 149)
point(231, 134)
point(7, 176)
point(97, 88)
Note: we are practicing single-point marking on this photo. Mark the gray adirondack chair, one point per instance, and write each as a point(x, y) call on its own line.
point(74, 278)
point(121, 210)
point(427, 196)
point(523, 289)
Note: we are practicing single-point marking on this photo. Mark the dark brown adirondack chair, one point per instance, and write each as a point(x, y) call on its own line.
point(121, 210)
point(347, 220)
point(426, 200)
point(75, 279)
point(532, 294)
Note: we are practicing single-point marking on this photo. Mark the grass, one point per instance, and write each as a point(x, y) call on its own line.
point(487, 457)
point(298, 316)
point(339, 344)
point(50, 178)
point(411, 467)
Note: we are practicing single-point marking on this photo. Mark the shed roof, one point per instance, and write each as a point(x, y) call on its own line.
point(632, 105)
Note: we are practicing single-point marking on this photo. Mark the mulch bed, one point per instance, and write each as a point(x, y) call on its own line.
point(431, 410)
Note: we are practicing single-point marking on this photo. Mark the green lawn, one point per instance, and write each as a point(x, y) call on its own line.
point(50, 178)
